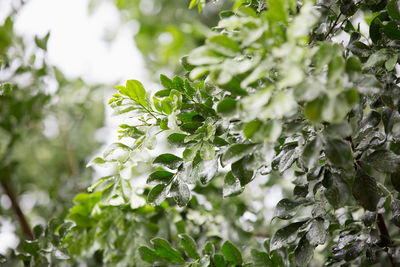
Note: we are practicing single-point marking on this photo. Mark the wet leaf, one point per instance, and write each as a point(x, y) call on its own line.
point(366, 191)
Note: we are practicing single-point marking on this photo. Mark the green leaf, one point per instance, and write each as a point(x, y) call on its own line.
point(369, 85)
point(382, 160)
point(193, 3)
point(181, 193)
point(339, 152)
point(163, 93)
point(353, 67)
point(219, 260)
point(232, 186)
point(190, 246)
point(348, 7)
point(313, 110)
point(207, 151)
point(203, 56)
point(226, 106)
point(177, 139)
point(366, 191)
point(148, 255)
point(190, 153)
point(232, 253)
point(287, 208)
point(285, 235)
point(378, 58)
point(31, 246)
point(317, 233)
point(303, 252)
point(395, 179)
point(135, 90)
point(167, 106)
point(286, 158)
point(160, 176)
point(223, 44)
point(236, 152)
point(392, 30)
point(257, 131)
point(157, 195)
point(164, 250)
point(336, 68)
point(38, 230)
point(42, 42)
point(277, 11)
point(391, 63)
point(337, 191)
point(375, 32)
point(393, 9)
point(166, 82)
point(241, 169)
point(260, 259)
point(169, 160)
point(311, 152)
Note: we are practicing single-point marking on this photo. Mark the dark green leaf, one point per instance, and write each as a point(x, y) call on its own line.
point(382, 160)
point(169, 160)
point(226, 106)
point(157, 195)
point(285, 235)
point(303, 252)
point(339, 152)
point(395, 179)
point(177, 139)
point(366, 191)
point(337, 191)
point(241, 169)
point(160, 176)
point(393, 9)
point(287, 208)
point(311, 152)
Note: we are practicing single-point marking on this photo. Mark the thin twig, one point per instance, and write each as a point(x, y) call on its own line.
point(334, 25)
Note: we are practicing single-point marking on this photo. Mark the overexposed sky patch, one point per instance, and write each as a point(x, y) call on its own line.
point(78, 43)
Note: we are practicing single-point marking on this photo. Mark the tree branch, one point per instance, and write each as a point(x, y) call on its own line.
point(384, 231)
point(26, 229)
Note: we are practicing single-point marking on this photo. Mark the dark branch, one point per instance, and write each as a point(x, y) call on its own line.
point(26, 229)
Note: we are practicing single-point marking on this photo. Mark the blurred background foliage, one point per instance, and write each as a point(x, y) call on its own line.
point(47, 132)
point(167, 29)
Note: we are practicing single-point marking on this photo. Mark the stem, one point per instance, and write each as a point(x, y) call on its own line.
point(384, 231)
point(26, 229)
point(334, 25)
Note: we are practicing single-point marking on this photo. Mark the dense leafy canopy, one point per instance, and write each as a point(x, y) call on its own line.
point(279, 91)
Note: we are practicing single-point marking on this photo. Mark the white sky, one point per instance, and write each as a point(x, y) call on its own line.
point(77, 39)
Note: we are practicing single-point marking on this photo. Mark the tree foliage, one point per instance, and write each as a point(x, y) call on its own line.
point(282, 90)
